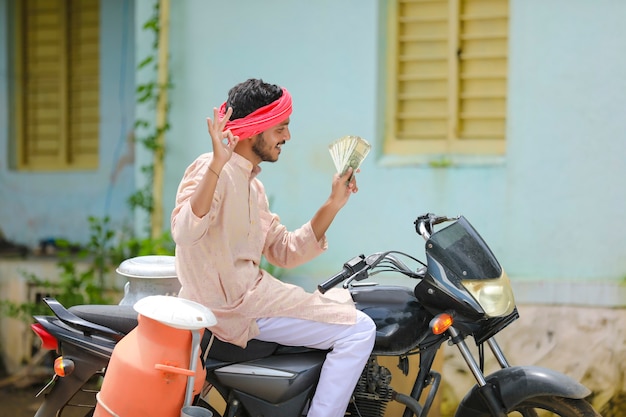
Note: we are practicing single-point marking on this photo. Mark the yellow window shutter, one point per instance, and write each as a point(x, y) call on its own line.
point(58, 96)
point(418, 76)
point(447, 72)
point(42, 117)
point(483, 70)
point(84, 82)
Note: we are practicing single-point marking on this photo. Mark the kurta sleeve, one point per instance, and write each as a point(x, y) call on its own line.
point(288, 249)
point(187, 228)
point(284, 248)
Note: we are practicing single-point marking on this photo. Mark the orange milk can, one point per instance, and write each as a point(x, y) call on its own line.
point(151, 372)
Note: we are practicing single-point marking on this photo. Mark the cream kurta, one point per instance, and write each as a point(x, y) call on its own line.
point(218, 256)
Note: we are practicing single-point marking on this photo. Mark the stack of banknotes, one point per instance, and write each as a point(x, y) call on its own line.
point(348, 151)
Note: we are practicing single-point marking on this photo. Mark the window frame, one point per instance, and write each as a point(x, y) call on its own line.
point(453, 144)
point(75, 143)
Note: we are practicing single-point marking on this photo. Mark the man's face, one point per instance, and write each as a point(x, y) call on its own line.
point(267, 145)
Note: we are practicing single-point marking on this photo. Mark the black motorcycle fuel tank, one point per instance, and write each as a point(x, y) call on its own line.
point(401, 322)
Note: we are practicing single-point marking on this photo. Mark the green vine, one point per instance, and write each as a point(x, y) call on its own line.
point(147, 94)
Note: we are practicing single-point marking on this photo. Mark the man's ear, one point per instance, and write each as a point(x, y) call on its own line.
point(245, 143)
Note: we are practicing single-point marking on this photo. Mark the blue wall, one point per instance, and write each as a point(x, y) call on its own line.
point(551, 208)
point(567, 144)
point(39, 205)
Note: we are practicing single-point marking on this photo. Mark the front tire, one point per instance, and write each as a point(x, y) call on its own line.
point(552, 406)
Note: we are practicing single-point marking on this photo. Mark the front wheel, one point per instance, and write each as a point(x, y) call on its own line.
point(553, 406)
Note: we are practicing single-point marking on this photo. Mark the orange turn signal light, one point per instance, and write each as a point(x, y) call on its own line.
point(63, 367)
point(440, 323)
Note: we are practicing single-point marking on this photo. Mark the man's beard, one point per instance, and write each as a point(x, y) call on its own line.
point(261, 150)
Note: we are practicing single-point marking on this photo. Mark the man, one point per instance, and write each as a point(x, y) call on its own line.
point(222, 226)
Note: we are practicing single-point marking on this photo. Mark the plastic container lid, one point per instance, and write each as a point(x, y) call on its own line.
point(175, 312)
point(150, 266)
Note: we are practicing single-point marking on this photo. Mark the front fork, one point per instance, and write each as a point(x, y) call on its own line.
point(488, 391)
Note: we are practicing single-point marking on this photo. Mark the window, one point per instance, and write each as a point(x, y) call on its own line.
point(447, 77)
point(57, 92)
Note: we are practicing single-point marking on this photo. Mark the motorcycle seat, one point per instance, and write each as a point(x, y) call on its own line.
point(227, 352)
point(120, 318)
point(222, 352)
point(123, 318)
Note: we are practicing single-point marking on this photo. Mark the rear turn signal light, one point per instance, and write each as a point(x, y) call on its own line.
point(440, 323)
point(48, 341)
point(63, 367)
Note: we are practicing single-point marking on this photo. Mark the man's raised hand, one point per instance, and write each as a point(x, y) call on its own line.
point(224, 142)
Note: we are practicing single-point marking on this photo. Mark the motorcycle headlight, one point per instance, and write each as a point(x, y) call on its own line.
point(495, 296)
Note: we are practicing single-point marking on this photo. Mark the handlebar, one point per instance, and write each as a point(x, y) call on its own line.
point(361, 267)
point(358, 267)
point(352, 267)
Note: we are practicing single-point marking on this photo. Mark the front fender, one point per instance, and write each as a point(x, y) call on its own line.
point(518, 383)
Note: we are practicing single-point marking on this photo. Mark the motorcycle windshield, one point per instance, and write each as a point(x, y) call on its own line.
point(463, 253)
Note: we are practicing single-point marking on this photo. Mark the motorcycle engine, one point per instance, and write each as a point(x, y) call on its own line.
point(372, 392)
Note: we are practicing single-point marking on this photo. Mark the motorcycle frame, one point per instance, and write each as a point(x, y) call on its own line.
point(425, 377)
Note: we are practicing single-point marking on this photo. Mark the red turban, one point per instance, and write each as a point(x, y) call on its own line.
point(260, 119)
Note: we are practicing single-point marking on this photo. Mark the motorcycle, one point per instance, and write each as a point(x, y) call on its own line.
point(461, 292)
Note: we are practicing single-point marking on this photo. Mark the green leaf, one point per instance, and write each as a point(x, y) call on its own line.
point(147, 60)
